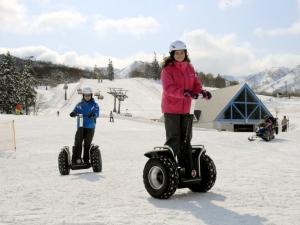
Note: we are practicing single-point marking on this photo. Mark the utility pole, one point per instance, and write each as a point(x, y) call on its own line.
point(65, 88)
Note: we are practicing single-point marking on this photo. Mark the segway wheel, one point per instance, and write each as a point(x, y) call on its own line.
point(160, 177)
point(96, 160)
point(208, 175)
point(63, 163)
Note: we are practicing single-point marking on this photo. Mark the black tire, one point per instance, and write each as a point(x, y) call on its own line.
point(63, 163)
point(160, 177)
point(96, 160)
point(208, 175)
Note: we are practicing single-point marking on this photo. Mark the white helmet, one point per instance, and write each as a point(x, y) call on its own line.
point(87, 91)
point(177, 45)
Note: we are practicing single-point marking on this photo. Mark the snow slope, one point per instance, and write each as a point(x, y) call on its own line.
point(143, 97)
point(257, 182)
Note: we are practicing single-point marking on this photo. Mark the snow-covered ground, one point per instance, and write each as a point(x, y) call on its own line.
point(257, 182)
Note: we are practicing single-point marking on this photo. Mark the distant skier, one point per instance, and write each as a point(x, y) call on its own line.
point(90, 111)
point(284, 124)
point(57, 113)
point(180, 85)
point(111, 117)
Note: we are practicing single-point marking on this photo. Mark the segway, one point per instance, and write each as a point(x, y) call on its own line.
point(64, 157)
point(164, 173)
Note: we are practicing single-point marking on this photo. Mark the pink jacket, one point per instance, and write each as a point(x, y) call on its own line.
point(176, 78)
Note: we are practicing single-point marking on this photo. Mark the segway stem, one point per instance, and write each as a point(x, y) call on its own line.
point(80, 129)
point(189, 128)
point(190, 121)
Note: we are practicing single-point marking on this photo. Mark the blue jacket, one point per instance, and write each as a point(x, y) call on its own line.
point(88, 108)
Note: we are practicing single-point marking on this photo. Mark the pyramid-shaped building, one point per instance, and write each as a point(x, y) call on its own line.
point(234, 108)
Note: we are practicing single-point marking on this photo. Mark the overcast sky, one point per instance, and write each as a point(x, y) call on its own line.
point(230, 37)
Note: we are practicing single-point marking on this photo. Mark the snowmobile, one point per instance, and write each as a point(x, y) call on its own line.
point(64, 157)
point(164, 173)
point(267, 133)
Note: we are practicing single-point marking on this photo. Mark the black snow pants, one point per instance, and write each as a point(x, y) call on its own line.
point(177, 127)
point(86, 135)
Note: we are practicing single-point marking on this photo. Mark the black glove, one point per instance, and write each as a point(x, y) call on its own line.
point(73, 114)
point(90, 115)
point(206, 94)
point(187, 93)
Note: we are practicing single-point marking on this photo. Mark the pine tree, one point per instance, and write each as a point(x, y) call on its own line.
point(10, 85)
point(220, 82)
point(28, 82)
point(110, 71)
point(155, 68)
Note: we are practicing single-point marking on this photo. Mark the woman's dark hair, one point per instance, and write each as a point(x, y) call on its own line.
point(171, 59)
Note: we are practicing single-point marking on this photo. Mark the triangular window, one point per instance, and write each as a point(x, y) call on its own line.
point(250, 108)
point(250, 97)
point(240, 107)
point(241, 97)
point(255, 114)
point(263, 113)
point(227, 113)
point(236, 114)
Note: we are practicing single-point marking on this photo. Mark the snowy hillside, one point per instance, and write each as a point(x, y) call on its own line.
point(276, 80)
point(143, 97)
point(257, 182)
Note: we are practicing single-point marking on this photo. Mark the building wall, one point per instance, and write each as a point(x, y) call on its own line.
point(224, 125)
point(204, 125)
point(229, 126)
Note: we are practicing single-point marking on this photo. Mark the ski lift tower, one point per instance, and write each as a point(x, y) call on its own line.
point(120, 94)
point(121, 97)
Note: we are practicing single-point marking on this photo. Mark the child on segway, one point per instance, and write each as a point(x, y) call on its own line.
point(89, 110)
point(180, 86)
